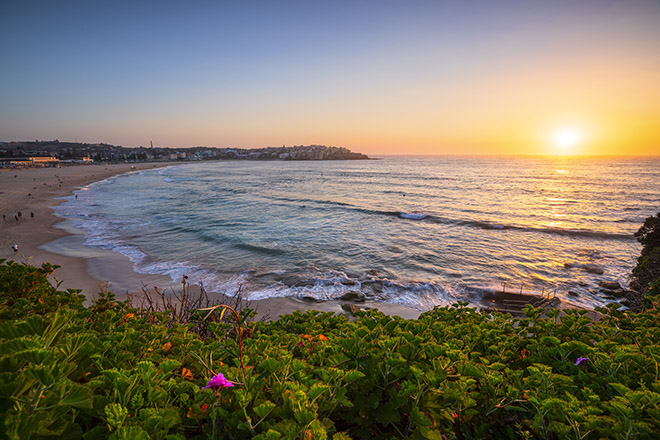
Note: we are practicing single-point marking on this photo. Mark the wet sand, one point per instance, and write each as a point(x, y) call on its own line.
point(43, 237)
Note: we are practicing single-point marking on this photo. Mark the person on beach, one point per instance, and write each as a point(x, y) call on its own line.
point(15, 248)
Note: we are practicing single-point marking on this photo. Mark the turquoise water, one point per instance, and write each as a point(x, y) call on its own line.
point(414, 231)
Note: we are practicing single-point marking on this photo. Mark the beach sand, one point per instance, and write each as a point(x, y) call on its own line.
point(34, 192)
point(43, 237)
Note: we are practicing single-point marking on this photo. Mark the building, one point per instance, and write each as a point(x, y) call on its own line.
point(44, 161)
point(36, 161)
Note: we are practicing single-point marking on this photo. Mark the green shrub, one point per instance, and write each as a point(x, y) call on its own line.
point(112, 371)
point(647, 270)
point(25, 289)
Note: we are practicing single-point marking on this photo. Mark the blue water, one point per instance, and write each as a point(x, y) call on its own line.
point(414, 231)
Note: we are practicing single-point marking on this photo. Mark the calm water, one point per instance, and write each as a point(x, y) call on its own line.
point(413, 231)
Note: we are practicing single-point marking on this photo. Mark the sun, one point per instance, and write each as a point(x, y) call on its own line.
point(566, 139)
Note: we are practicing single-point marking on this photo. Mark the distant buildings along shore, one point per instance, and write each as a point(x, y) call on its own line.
point(54, 153)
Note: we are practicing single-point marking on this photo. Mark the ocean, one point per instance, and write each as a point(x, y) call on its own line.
point(413, 231)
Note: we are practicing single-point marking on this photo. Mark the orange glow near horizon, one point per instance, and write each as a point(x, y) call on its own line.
point(443, 78)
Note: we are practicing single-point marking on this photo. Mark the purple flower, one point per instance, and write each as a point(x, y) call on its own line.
point(218, 382)
point(581, 361)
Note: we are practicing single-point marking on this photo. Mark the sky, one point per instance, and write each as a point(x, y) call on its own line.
point(379, 77)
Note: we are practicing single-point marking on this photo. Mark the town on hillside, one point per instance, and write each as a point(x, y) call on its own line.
point(53, 153)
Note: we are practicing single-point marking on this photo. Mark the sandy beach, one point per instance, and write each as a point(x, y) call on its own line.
point(38, 233)
point(43, 237)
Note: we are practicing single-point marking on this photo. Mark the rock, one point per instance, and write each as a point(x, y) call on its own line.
point(293, 281)
point(610, 285)
point(353, 296)
point(350, 308)
point(348, 283)
point(573, 293)
point(308, 298)
point(375, 286)
point(306, 283)
point(290, 280)
point(593, 269)
point(569, 265)
point(372, 272)
point(614, 293)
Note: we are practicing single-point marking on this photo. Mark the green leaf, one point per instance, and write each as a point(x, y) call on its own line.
point(98, 432)
point(304, 416)
point(352, 376)
point(318, 431)
point(169, 365)
point(469, 370)
point(72, 431)
point(269, 365)
point(46, 376)
point(550, 341)
point(9, 364)
point(78, 396)
point(316, 390)
point(263, 409)
point(35, 356)
point(268, 435)
point(621, 389)
point(115, 415)
point(497, 366)
point(130, 433)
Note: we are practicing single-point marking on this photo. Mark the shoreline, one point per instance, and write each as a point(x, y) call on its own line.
point(46, 238)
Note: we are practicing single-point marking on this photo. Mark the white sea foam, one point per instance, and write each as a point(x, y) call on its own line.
point(413, 215)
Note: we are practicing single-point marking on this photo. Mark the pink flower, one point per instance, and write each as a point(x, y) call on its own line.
point(218, 382)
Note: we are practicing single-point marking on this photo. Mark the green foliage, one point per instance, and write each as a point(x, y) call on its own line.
point(26, 289)
point(649, 234)
point(647, 271)
point(111, 371)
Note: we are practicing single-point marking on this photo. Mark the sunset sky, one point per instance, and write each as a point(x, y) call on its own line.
point(378, 77)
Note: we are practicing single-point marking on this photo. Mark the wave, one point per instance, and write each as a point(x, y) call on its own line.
point(312, 201)
point(413, 215)
point(259, 249)
point(498, 226)
point(555, 231)
point(332, 285)
point(469, 223)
